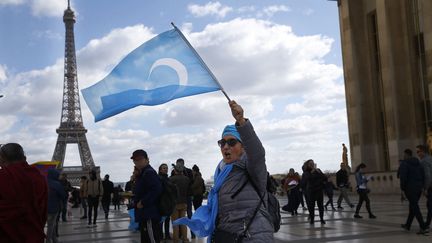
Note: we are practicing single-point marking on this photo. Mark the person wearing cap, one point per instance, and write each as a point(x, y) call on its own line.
point(147, 190)
point(234, 210)
point(23, 197)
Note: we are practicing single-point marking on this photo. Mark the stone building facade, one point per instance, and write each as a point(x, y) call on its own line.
point(387, 62)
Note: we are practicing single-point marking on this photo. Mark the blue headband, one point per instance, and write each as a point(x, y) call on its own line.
point(231, 130)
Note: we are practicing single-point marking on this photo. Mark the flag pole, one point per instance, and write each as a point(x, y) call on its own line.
point(201, 60)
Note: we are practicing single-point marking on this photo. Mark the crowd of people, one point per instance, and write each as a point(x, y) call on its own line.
point(313, 184)
point(236, 210)
point(190, 190)
point(415, 176)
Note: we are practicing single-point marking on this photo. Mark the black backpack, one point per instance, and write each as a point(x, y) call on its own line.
point(274, 211)
point(168, 198)
point(273, 206)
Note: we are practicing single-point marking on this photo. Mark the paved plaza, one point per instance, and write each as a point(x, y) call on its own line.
point(340, 226)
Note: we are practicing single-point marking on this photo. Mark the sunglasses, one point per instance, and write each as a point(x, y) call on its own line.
point(231, 142)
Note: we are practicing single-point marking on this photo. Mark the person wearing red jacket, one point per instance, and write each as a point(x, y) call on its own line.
point(23, 198)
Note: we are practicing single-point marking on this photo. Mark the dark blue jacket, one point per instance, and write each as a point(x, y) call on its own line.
point(56, 193)
point(411, 174)
point(147, 190)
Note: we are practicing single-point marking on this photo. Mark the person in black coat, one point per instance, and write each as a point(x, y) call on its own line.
point(329, 187)
point(165, 225)
point(342, 182)
point(108, 189)
point(148, 188)
point(411, 175)
point(67, 188)
point(314, 179)
point(116, 197)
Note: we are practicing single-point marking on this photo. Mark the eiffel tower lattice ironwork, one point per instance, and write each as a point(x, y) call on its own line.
point(71, 130)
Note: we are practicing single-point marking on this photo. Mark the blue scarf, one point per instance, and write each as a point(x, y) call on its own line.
point(203, 220)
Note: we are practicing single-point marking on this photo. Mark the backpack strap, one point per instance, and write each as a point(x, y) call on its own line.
point(244, 234)
point(240, 189)
point(261, 198)
point(255, 187)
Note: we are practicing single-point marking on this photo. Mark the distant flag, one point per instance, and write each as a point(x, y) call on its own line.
point(44, 166)
point(164, 68)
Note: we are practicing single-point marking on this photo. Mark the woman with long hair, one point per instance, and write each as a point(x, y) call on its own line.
point(362, 191)
point(314, 180)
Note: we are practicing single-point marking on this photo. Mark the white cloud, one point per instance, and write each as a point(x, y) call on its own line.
point(258, 57)
point(273, 9)
point(3, 75)
point(260, 64)
point(289, 142)
point(211, 8)
point(11, 2)
point(32, 93)
point(187, 27)
point(111, 49)
point(50, 8)
point(7, 122)
point(245, 9)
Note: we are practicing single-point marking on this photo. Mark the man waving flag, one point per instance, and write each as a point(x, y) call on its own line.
point(162, 69)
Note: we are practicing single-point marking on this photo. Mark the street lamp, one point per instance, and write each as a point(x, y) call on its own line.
point(1, 96)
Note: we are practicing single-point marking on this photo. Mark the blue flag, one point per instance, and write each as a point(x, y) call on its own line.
point(162, 69)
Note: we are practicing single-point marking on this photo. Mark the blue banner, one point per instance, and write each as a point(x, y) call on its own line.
point(160, 70)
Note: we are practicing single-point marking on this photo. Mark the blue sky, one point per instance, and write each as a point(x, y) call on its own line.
point(281, 60)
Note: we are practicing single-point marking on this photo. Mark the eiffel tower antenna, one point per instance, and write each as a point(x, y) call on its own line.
point(71, 130)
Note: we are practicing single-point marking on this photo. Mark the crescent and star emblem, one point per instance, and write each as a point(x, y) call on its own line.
point(175, 65)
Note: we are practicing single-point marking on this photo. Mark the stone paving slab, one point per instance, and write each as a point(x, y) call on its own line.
point(340, 226)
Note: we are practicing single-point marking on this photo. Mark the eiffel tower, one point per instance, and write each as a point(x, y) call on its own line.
point(71, 130)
